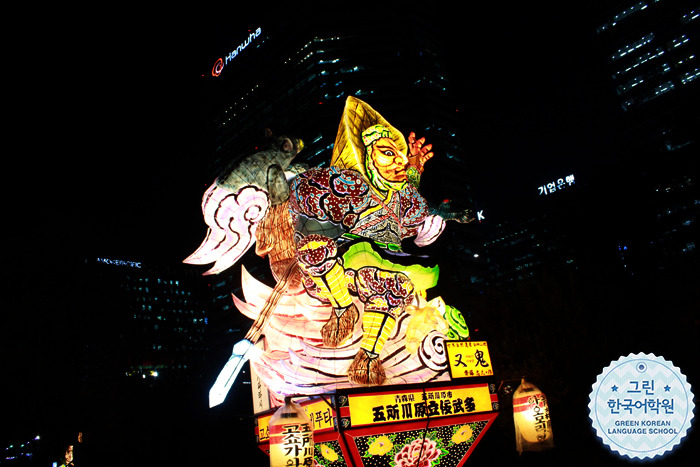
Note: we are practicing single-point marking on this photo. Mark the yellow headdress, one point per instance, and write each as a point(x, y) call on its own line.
point(349, 147)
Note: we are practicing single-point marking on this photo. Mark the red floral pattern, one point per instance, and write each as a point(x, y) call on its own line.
point(409, 454)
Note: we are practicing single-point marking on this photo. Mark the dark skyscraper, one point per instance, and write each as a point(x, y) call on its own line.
point(158, 316)
point(651, 50)
point(642, 196)
point(295, 73)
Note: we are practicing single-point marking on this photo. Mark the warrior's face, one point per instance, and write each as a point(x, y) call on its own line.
point(388, 161)
point(385, 161)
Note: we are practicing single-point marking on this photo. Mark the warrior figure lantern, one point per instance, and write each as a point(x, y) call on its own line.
point(349, 306)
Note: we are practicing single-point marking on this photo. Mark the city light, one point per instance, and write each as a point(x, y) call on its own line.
point(557, 185)
point(221, 62)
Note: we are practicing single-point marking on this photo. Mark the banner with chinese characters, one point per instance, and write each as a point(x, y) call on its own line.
point(417, 404)
point(468, 359)
point(261, 393)
point(362, 427)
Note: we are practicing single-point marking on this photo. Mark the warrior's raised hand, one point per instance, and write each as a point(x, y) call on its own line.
point(419, 153)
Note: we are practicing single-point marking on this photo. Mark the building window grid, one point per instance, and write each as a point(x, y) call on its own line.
point(661, 88)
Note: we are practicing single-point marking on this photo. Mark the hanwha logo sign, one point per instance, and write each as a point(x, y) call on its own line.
point(218, 67)
point(220, 63)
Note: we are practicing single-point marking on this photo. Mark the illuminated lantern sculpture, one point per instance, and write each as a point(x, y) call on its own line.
point(345, 291)
point(291, 436)
point(533, 427)
point(348, 315)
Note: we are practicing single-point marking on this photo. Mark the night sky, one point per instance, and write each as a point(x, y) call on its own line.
point(108, 159)
point(110, 115)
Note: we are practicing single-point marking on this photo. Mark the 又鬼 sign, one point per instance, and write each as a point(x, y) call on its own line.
point(468, 359)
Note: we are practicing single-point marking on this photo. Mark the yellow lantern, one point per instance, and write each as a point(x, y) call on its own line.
point(533, 427)
point(291, 436)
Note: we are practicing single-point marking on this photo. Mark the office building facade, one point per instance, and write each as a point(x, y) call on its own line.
point(651, 51)
point(158, 316)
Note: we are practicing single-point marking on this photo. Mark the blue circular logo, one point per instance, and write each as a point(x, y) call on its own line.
point(641, 406)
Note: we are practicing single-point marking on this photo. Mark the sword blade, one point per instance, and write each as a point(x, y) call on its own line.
point(242, 352)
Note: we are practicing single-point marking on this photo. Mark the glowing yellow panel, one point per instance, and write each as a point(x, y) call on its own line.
point(416, 404)
point(469, 359)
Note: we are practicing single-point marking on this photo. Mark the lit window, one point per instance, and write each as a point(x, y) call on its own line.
point(683, 39)
point(690, 76)
point(690, 16)
point(629, 48)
